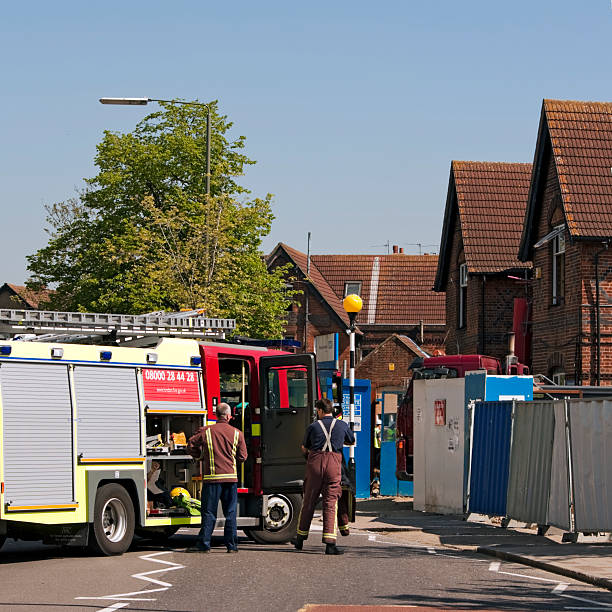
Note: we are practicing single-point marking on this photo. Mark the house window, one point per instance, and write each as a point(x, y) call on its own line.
point(352, 287)
point(463, 280)
point(558, 267)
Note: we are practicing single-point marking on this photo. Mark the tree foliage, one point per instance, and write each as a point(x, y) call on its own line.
point(143, 236)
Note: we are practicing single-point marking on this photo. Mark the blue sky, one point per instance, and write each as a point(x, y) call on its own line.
point(353, 110)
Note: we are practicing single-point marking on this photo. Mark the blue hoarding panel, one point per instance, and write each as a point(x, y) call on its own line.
point(490, 458)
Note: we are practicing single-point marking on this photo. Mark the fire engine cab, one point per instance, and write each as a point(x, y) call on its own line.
point(85, 425)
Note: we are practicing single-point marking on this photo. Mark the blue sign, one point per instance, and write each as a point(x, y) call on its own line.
point(363, 430)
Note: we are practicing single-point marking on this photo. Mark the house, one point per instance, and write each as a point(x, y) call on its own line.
point(478, 268)
point(387, 365)
point(566, 234)
point(397, 300)
point(18, 297)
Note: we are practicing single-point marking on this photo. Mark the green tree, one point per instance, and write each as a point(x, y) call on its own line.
point(143, 236)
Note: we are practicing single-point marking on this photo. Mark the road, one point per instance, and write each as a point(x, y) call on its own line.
point(379, 570)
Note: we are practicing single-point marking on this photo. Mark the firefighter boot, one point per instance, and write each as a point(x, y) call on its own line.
point(298, 542)
point(332, 549)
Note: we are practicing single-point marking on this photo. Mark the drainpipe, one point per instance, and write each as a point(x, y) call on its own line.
point(597, 311)
point(484, 318)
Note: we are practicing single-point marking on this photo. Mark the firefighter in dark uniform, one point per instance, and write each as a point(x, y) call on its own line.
point(323, 442)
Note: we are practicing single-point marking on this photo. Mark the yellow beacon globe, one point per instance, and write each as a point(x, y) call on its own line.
point(352, 303)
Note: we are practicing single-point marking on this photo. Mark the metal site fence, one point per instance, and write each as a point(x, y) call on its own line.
point(544, 462)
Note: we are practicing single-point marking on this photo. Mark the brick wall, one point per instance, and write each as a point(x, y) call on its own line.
point(489, 308)
point(377, 366)
point(564, 334)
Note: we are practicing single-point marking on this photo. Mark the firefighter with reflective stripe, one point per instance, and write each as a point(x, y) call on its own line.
point(323, 442)
point(220, 447)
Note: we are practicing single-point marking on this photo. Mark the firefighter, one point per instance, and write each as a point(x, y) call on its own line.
point(323, 442)
point(219, 447)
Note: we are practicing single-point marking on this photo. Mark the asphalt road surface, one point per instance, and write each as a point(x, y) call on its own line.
point(377, 570)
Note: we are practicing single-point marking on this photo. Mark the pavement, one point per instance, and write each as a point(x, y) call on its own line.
point(588, 560)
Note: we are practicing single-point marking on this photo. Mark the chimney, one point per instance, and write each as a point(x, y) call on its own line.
point(511, 344)
point(401, 250)
point(395, 249)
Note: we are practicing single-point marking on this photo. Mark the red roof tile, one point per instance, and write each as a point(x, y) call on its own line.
point(320, 284)
point(489, 199)
point(581, 138)
point(395, 289)
point(30, 297)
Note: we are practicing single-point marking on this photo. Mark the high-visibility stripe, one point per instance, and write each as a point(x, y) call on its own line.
point(330, 535)
point(236, 437)
point(256, 429)
point(302, 533)
point(210, 452)
point(10, 508)
point(111, 460)
point(220, 476)
point(163, 411)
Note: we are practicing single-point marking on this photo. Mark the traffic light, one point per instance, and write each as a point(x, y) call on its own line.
point(337, 393)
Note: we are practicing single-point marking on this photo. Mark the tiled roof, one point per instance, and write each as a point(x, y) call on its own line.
point(395, 289)
point(31, 298)
point(320, 284)
point(580, 134)
point(401, 340)
point(413, 346)
point(489, 199)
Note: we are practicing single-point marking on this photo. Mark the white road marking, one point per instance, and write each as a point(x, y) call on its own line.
point(494, 566)
point(591, 601)
point(372, 538)
point(431, 551)
point(146, 576)
point(558, 590)
point(316, 528)
point(113, 607)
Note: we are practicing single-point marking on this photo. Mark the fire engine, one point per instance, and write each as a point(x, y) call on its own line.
point(83, 422)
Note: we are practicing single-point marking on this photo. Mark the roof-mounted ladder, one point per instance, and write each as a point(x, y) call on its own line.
point(52, 326)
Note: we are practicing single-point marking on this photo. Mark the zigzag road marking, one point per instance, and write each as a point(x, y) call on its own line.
point(146, 576)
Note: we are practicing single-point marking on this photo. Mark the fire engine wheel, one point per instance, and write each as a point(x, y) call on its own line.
point(113, 525)
point(281, 520)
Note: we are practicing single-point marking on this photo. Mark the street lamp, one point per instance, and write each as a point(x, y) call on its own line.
point(145, 101)
point(352, 304)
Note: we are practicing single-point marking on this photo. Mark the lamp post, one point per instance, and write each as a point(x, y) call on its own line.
point(145, 101)
point(352, 304)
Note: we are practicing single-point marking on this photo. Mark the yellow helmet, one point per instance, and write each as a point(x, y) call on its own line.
point(180, 492)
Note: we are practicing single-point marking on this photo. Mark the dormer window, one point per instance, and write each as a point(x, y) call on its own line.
point(461, 311)
point(352, 288)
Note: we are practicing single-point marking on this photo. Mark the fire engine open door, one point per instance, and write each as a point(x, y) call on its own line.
point(287, 393)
